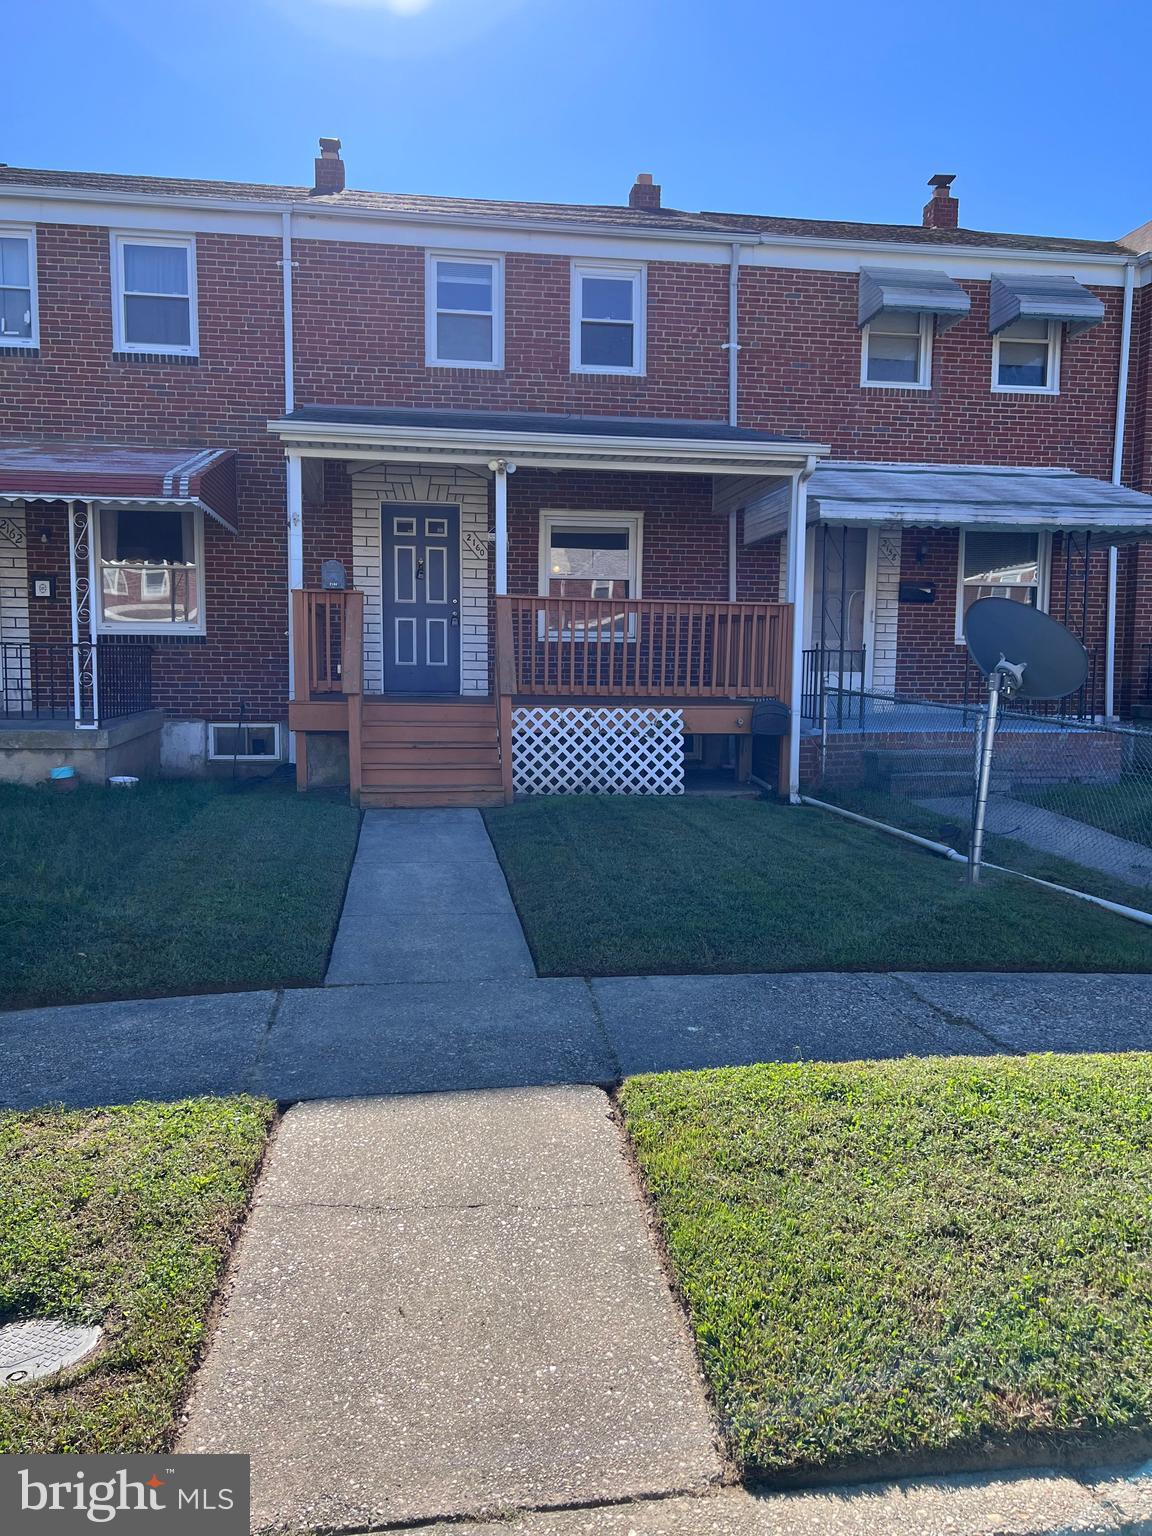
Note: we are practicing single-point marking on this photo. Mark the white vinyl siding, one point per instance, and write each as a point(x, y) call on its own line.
point(154, 295)
point(19, 321)
point(608, 318)
point(464, 311)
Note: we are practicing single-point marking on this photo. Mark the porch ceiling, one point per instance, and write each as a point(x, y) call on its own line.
point(961, 496)
point(547, 441)
point(111, 475)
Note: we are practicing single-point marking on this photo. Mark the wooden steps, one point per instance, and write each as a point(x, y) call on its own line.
point(429, 752)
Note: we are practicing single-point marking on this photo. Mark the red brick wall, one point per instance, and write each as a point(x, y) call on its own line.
point(75, 391)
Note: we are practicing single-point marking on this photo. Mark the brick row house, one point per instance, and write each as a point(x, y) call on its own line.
point(446, 498)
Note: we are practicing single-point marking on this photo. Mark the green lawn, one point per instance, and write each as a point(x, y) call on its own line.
point(914, 1262)
point(120, 1217)
point(168, 888)
point(1124, 809)
point(614, 886)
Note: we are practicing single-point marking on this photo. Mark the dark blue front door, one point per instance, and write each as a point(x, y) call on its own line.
point(421, 589)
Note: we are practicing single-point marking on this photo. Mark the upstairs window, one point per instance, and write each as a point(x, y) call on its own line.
point(155, 295)
point(464, 312)
point(151, 570)
point(17, 289)
point(898, 350)
point(1026, 357)
point(608, 320)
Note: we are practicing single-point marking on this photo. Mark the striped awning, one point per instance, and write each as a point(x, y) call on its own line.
point(115, 476)
point(1042, 298)
point(912, 291)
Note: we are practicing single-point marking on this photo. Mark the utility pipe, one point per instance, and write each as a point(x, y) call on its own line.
point(286, 269)
point(1117, 472)
point(797, 533)
point(732, 345)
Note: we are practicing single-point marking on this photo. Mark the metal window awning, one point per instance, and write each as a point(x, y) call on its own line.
point(912, 291)
point(1042, 298)
point(873, 495)
point(115, 476)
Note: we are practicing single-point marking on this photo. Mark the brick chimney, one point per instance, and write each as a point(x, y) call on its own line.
point(941, 211)
point(329, 168)
point(644, 194)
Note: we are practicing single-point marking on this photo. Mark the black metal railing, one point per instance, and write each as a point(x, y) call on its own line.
point(39, 682)
point(832, 690)
point(1085, 704)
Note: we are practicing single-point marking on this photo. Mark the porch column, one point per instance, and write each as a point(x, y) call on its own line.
point(501, 469)
point(797, 536)
point(295, 488)
point(1110, 639)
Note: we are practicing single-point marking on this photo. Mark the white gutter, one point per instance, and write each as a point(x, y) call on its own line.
point(1117, 473)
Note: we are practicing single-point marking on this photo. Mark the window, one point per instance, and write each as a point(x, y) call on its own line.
point(249, 743)
point(464, 312)
point(1010, 565)
point(608, 319)
point(1026, 356)
point(588, 557)
point(155, 295)
point(151, 570)
point(18, 318)
point(897, 350)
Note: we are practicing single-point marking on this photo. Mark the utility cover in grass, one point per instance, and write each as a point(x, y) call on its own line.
point(914, 1262)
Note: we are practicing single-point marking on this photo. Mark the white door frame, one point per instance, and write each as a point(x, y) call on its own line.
point(869, 628)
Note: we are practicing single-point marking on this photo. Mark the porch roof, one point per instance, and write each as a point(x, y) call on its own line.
point(117, 476)
point(966, 495)
point(538, 439)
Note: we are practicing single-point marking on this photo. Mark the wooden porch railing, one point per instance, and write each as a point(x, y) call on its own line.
point(328, 663)
point(637, 648)
point(328, 631)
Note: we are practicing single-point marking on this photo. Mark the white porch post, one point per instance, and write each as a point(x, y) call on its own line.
point(797, 537)
point(295, 485)
point(501, 469)
point(1110, 639)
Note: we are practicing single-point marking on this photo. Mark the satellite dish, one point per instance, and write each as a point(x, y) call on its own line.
point(1034, 656)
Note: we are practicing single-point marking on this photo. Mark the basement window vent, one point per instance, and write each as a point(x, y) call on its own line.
point(249, 743)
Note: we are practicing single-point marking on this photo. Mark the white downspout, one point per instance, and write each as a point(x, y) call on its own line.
point(1117, 472)
point(733, 342)
point(293, 471)
point(797, 535)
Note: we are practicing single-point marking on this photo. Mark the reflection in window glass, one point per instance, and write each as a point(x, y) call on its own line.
point(1024, 355)
point(1001, 565)
point(148, 564)
point(894, 349)
point(589, 562)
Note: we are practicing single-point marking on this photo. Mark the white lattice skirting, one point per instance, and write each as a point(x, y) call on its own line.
point(558, 751)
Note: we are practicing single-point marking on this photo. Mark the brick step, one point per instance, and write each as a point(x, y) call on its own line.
point(372, 798)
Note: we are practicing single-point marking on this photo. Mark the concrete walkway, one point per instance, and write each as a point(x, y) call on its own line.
point(448, 1305)
point(427, 901)
point(1050, 832)
point(345, 1042)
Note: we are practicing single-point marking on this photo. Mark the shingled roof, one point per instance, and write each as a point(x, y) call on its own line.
point(647, 219)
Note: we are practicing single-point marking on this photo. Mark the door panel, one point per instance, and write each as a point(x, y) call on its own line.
point(421, 578)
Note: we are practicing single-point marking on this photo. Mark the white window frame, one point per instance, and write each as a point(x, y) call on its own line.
point(432, 309)
point(638, 274)
point(633, 521)
point(187, 243)
point(1055, 348)
point(924, 363)
point(158, 628)
point(244, 757)
point(26, 232)
point(1043, 571)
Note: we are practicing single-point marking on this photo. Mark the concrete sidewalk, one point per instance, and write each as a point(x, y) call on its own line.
point(346, 1042)
point(427, 901)
point(448, 1305)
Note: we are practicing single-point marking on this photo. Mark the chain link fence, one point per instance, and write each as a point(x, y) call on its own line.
point(1070, 799)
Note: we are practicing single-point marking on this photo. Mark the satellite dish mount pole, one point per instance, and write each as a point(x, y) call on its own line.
point(1005, 678)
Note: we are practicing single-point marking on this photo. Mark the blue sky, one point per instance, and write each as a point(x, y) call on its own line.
point(833, 110)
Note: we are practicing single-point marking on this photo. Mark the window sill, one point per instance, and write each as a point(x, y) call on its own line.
point(919, 389)
point(166, 637)
point(472, 367)
point(612, 373)
point(1023, 389)
point(16, 349)
point(180, 359)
